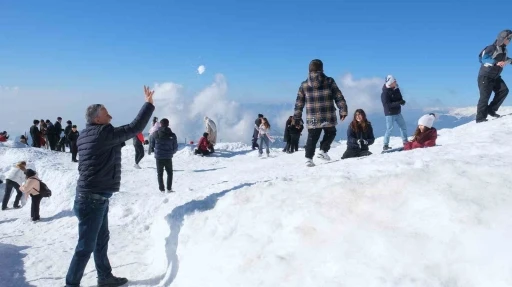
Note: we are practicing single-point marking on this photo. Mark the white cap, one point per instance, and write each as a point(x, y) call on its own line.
point(427, 120)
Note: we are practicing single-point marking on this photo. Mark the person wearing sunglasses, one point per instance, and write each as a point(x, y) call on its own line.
point(493, 59)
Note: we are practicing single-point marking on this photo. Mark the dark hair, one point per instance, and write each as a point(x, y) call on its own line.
point(205, 135)
point(47, 121)
point(29, 172)
point(260, 115)
point(74, 126)
point(59, 118)
point(316, 65)
point(266, 123)
point(155, 119)
point(69, 122)
point(359, 126)
point(417, 132)
point(36, 122)
point(164, 122)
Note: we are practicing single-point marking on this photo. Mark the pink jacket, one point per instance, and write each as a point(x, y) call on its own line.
point(31, 185)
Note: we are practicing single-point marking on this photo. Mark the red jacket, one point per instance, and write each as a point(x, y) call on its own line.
point(3, 138)
point(203, 144)
point(140, 136)
point(426, 139)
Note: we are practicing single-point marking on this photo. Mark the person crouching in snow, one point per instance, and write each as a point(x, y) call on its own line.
point(14, 178)
point(138, 142)
point(211, 129)
point(31, 187)
point(425, 135)
point(202, 146)
point(263, 135)
point(4, 136)
point(359, 136)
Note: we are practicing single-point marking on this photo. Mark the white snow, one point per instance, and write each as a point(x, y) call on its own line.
point(471, 111)
point(431, 217)
point(201, 69)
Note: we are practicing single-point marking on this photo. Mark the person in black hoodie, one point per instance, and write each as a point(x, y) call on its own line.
point(359, 136)
point(166, 145)
point(392, 102)
point(72, 136)
point(35, 134)
point(67, 130)
point(286, 137)
point(255, 132)
point(58, 131)
point(294, 130)
point(50, 134)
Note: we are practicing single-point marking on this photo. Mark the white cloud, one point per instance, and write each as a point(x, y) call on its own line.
point(361, 93)
point(201, 69)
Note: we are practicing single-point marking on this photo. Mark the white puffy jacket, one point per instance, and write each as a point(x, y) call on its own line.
point(15, 174)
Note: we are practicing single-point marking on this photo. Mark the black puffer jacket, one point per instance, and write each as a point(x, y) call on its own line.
point(99, 150)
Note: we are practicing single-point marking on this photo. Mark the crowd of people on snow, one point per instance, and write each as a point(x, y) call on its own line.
point(99, 147)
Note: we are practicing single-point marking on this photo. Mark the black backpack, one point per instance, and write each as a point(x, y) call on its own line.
point(44, 191)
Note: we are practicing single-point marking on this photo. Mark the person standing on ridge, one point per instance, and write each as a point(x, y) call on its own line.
point(58, 131)
point(392, 102)
point(317, 94)
point(255, 132)
point(493, 59)
point(138, 144)
point(72, 137)
point(99, 168)
point(166, 145)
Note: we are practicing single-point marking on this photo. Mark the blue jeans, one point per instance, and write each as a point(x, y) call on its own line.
point(390, 121)
point(93, 236)
point(264, 139)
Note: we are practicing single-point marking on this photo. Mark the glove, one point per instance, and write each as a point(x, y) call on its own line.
point(402, 102)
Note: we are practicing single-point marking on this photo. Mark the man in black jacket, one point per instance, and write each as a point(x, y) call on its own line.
point(58, 130)
point(493, 59)
point(166, 145)
point(392, 102)
point(99, 167)
point(35, 134)
point(255, 132)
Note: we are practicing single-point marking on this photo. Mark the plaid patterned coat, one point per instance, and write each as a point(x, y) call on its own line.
point(319, 93)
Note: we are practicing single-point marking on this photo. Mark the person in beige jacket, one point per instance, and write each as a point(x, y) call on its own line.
point(31, 187)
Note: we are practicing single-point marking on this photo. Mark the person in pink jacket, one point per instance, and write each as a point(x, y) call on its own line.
point(31, 187)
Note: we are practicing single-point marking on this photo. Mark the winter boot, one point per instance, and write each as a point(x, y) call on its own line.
point(493, 114)
point(386, 147)
point(112, 282)
point(137, 166)
point(309, 162)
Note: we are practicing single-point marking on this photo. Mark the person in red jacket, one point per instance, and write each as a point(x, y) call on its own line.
point(202, 146)
point(138, 144)
point(4, 136)
point(425, 135)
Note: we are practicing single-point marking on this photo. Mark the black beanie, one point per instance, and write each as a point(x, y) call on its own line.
point(316, 65)
point(205, 135)
point(30, 172)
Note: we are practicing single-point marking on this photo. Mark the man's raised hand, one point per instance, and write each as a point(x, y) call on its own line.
point(149, 94)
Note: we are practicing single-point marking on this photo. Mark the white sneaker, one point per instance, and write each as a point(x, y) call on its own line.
point(309, 162)
point(323, 155)
point(137, 166)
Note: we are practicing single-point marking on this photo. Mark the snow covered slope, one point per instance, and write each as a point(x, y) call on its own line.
point(433, 217)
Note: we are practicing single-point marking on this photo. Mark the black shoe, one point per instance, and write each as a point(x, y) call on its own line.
point(112, 282)
point(4, 208)
point(16, 206)
point(170, 190)
point(481, 121)
point(386, 147)
point(493, 114)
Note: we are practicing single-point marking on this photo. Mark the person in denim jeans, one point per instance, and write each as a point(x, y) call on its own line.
point(99, 168)
point(263, 130)
point(392, 102)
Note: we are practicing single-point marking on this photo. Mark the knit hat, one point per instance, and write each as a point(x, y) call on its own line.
point(30, 172)
point(427, 120)
point(390, 80)
point(316, 65)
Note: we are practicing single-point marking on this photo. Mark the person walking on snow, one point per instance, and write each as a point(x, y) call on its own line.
point(263, 135)
point(425, 135)
point(99, 168)
point(154, 127)
point(211, 129)
point(14, 178)
point(318, 94)
point(72, 137)
point(138, 144)
point(359, 136)
point(166, 145)
point(493, 59)
point(257, 123)
point(392, 102)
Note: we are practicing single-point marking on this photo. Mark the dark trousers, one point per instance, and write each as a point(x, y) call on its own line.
point(74, 150)
point(294, 142)
point(34, 207)
point(139, 153)
point(255, 139)
point(352, 152)
point(52, 141)
point(314, 136)
point(93, 237)
point(36, 141)
point(201, 151)
point(162, 164)
point(61, 145)
point(486, 86)
point(9, 184)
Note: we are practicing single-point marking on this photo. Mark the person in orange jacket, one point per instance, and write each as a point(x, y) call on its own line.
point(138, 143)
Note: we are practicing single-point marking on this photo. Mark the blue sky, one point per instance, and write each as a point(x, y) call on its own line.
point(262, 47)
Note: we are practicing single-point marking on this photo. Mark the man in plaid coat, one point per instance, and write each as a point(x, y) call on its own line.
point(318, 94)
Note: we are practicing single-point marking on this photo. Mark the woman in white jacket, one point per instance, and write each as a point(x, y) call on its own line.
point(152, 130)
point(14, 178)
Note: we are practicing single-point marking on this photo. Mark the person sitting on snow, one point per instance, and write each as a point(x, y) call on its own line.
point(23, 140)
point(211, 129)
point(425, 135)
point(359, 136)
point(202, 146)
point(4, 136)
